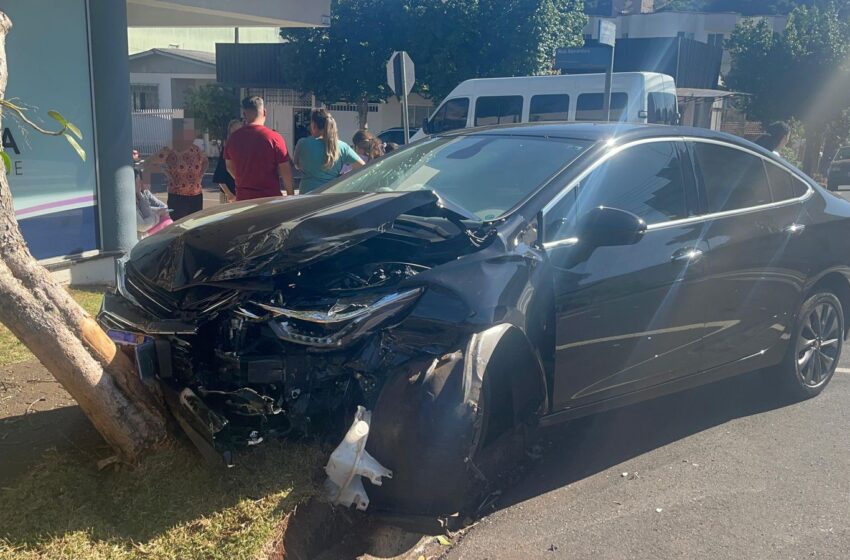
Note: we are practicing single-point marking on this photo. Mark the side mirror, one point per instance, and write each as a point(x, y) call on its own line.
point(425, 126)
point(610, 227)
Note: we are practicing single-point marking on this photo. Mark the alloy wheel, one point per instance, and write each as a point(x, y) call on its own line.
point(818, 345)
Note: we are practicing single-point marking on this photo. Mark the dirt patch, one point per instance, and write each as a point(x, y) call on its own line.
point(37, 414)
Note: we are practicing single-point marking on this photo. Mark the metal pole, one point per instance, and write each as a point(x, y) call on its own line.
point(405, 118)
point(606, 101)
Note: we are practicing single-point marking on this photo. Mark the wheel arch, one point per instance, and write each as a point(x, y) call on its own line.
point(838, 283)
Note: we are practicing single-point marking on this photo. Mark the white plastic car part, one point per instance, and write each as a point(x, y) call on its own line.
point(349, 461)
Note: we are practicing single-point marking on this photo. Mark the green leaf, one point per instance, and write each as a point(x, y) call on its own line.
point(6, 162)
point(57, 116)
point(74, 144)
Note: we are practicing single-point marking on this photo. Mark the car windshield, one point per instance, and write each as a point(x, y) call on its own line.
point(486, 175)
point(843, 153)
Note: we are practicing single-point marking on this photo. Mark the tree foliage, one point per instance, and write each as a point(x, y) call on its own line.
point(212, 106)
point(745, 7)
point(448, 40)
point(803, 73)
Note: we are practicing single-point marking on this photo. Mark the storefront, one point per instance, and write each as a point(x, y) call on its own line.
point(71, 56)
point(54, 191)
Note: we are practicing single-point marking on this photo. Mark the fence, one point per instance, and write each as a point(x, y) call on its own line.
point(152, 129)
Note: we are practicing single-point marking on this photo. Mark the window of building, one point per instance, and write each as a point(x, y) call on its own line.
point(554, 107)
point(450, 116)
point(504, 109)
point(783, 185)
point(646, 180)
point(589, 106)
point(144, 96)
point(733, 179)
point(716, 39)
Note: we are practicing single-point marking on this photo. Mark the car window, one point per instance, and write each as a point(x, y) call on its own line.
point(661, 107)
point(485, 174)
point(732, 178)
point(646, 180)
point(783, 185)
point(554, 107)
point(451, 116)
point(843, 153)
point(505, 109)
point(589, 106)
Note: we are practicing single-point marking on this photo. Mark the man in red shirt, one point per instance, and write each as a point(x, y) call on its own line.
point(256, 156)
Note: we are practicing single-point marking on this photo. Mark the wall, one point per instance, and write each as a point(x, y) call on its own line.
point(196, 38)
point(169, 97)
point(53, 190)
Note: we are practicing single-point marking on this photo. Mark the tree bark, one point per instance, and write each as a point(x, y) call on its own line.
point(363, 112)
point(66, 339)
point(811, 153)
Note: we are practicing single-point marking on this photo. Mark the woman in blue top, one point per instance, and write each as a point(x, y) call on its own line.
point(321, 156)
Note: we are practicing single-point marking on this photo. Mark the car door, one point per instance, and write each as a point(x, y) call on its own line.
point(754, 278)
point(627, 317)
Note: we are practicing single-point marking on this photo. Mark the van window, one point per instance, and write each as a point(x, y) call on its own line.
point(549, 108)
point(450, 116)
point(504, 109)
point(661, 107)
point(589, 106)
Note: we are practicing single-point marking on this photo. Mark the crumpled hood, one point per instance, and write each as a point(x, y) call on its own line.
point(266, 236)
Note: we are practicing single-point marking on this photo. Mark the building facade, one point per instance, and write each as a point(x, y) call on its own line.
point(79, 214)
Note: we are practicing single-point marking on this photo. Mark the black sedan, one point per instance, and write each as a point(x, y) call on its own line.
point(469, 287)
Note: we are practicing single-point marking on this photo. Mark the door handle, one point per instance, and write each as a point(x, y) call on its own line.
point(795, 229)
point(689, 254)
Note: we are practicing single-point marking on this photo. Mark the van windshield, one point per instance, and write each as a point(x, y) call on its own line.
point(486, 175)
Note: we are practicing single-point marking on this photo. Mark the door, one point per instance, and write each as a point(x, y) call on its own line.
point(627, 317)
point(754, 227)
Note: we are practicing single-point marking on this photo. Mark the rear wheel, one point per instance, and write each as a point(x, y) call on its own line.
point(816, 346)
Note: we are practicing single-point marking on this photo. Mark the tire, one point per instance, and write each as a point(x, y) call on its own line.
point(815, 347)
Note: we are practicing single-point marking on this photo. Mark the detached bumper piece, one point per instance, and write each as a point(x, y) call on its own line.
point(349, 462)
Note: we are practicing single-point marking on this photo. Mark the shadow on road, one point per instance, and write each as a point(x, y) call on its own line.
point(590, 445)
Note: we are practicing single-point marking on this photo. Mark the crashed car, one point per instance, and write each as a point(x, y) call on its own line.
point(469, 287)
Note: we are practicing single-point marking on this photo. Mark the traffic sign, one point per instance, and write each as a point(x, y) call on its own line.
point(401, 77)
point(607, 32)
point(400, 73)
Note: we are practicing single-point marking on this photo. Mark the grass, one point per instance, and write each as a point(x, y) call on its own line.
point(12, 351)
point(172, 506)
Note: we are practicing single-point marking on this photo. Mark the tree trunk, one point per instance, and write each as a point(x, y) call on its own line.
point(811, 153)
point(66, 339)
point(363, 112)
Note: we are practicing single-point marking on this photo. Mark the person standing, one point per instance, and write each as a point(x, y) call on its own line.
point(225, 180)
point(367, 147)
point(184, 166)
point(321, 156)
point(256, 156)
point(775, 138)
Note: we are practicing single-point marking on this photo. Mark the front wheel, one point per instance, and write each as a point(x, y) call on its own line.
point(815, 346)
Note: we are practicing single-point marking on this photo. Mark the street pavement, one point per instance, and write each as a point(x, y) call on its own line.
point(725, 471)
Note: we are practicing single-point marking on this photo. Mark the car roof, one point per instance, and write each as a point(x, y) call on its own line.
point(597, 131)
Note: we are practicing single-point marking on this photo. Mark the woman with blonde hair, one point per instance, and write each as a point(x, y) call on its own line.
point(321, 156)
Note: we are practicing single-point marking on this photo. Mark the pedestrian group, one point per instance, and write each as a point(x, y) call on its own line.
point(254, 163)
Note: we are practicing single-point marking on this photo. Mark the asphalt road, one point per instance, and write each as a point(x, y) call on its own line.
point(726, 471)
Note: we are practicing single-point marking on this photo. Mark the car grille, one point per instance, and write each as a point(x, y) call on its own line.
point(151, 299)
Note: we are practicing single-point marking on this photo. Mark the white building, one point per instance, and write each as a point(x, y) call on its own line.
point(710, 28)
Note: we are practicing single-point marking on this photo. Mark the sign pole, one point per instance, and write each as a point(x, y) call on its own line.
point(606, 103)
point(405, 117)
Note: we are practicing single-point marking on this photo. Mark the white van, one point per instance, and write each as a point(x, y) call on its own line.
point(638, 97)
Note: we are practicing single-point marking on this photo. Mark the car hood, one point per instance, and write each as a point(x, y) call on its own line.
point(267, 236)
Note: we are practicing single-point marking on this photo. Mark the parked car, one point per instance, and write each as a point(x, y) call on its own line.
point(637, 97)
point(838, 174)
point(396, 135)
point(463, 301)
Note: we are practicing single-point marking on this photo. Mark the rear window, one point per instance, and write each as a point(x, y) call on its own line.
point(554, 107)
point(589, 106)
point(504, 109)
point(661, 107)
point(783, 184)
point(733, 179)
